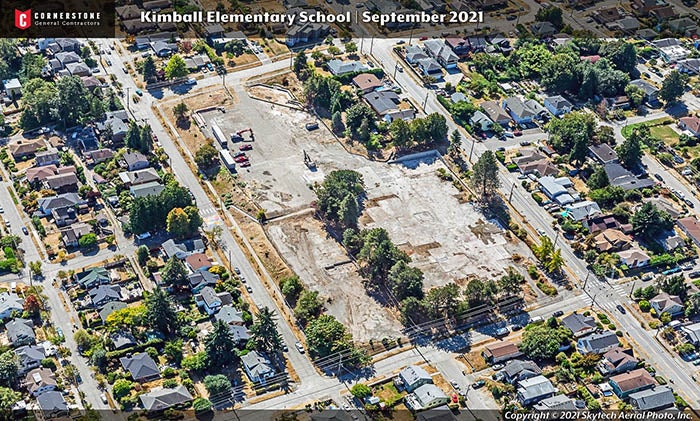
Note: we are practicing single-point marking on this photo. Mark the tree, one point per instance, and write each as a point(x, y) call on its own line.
point(377, 254)
point(338, 197)
point(361, 391)
point(630, 152)
point(355, 115)
point(178, 223)
point(327, 336)
point(35, 267)
point(39, 99)
point(8, 397)
point(574, 128)
point(149, 69)
point(509, 284)
point(549, 256)
point(442, 302)
point(400, 133)
point(160, 312)
point(217, 385)
point(598, 179)
point(635, 94)
point(542, 342)
point(88, 241)
point(692, 305)
point(180, 111)
point(174, 273)
point(126, 318)
point(220, 345)
point(622, 54)
point(201, 405)
point(350, 47)
point(98, 358)
point(206, 155)
point(405, 281)
point(213, 235)
point(337, 123)
point(291, 287)
point(673, 285)
point(176, 67)
point(122, 388)
point(550, 14)
point(32, 304)
point(197, 362)
point(673, 87)
point(300, 63)
point(194, 220)
point(8, 368)
point(455, 143)
point(173, 351)
point(308, 306)
point(479, 292)
point(649, 221)
point(73, 101)
point(436, 126)
point(142, 254)
point(485, 175)
point(264, 332)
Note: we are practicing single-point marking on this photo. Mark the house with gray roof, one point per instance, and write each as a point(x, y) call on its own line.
point(229, 315)
point(135, 161)
point(658, 398)
point(619, 176)
point(414, 54)
point(582, 210)
point(181, 249)
point(141, 367)
point(558, 105)
point(516, 371)
point(201, 279)
point(163, 398)
point(597, 343)
point(339, 67)
point(9, 302)
point(110, 308)
point(92, 277)
point(523, 112)
point(535, 389)
point(70, 235)
point(102, 294)
point(430, 67)
point(555, 403)
point(413, 377)
point(666, 303)
point(209, 300)
point(20, 332)
point(440, 51)
point(579, 324)
point(122, 339)
point(65, 200)
point(495, 112)
point(650, 91)
point(603, 153)
point(257, 366)
point(555, 190)
point(426, 397)
point(49, 157)
point(543, 29)
point(78, 69)
point(29, 357)
point(134, 178)
point(692, 333)
point(481, 120)
point(386, 105)
point(52, 404)
point(67, 57)
point(153, 188)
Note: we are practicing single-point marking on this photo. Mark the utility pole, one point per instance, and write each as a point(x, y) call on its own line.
point(410, 37)
point(556, 238)
point(396, 67)
point(510, 196)
point(632, 289)
point(585, 281)
point(471, 151)
point(593, 301)
point(425, 101)
point(127, 99)
point(371, 46)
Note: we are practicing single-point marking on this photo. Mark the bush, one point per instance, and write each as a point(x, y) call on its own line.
point(547, 288)
point(170, 383)
point(533, 272)
point(644, 306)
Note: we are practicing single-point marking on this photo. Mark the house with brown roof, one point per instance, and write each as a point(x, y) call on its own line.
point(40, 380)
point(634, 257)
point(70, 236)
point(665, 303)
point(532, 162)
point(664, 13)
point(25, 149)
point(612, 240)
point(634, 381)
point(366, 82)
point(691, 124)
point(600, 223)
point(495, 112)
point(198, 261)
point(62, 183)
point(500, 351)
point(691, 227)
point(97, 156)
point(617, 360)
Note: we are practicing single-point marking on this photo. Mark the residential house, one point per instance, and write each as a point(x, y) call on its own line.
point(65, 200)
point(441, 52)
point(535, 389)
point(650, 91)
point(25, 149)
point(78, 69)
point(339, 67)
point(160, 399)
point(121, 340)
point(495, 112)
point(163, 48)
point(543, 29)
point(366, 82)
point(603, 153)
point(20, 332)
point(626, 25)
point(634, 258)
point(597, 343)
point(70, 236)
point(181, 249)
point(40, 380)
point(92, 277)
point(426, 397)
point(516, 371)
point(654, 399)
point(500, 351)
point(605, 222)
point(691, 124)
point(387, 105)
point(13, 88)
point(664, 13)
point(674, 53)
point(9, 303)
point(612, 240)
point(555, 403)
point(430, 67)
point(439, 413)
point(691, 227)
point(607, 15)
point(141, 367)
point(522, 112)
point(67, 57)
point(692, 333)
point(458, 97)
point(690, 65)
point(413, 377)
point(582, 210)
point(634, 381)
point(102, 294)
point(135, 161)
point(579, 324)
point(257, 366)
point(459, 46)
point(49, 157)
point(619, 176)
point(670, 241)
point(557, 105)
point(29, 357)
point(240, 334)
point(210, 300)
point(114, 127)
point(414, 54)
point(197, 62)
point(198, 261)
point(230, 315)
point(201, 279)
point(664, 205)
point(62, 183)
point(308, 32)
point(481, 121)
point(532, 162)
point(52, 404)
point(135, 178)
point(665, 303)
point(617, 360)
point(153, 188)
point(555, 190)
point(110, 308)
point(86, 138)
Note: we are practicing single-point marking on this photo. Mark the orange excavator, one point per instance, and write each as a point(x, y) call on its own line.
point(238, 136)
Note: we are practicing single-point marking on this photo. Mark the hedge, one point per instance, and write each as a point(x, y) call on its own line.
point(155, 342)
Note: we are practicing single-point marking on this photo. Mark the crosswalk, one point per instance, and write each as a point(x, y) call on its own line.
point(207, 211)
point(602, 298)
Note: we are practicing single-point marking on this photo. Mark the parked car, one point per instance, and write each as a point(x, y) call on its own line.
point(658, 177)
point(139, 92)
point(299, 347)
point(245, 147)
point(241, 159)
point(621, 309)
point(25, 231)
point(689, 202)
point(237, 270)
point(502, 331)
point(244, 164)
point(210, 67)
point(694, 275)
point(238, 154)
point(479, 383)
point(558, 313)
point(191, 81)
point(249, 289)
point(519, 133)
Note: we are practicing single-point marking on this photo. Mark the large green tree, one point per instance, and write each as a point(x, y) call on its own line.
point(405, 281)
point(174, 273)
point(149, 69)
point(630, 152)
point(327, 336)
point(541, 341)
point(484, 179)
point(649, 221)
point(8, 368)
point(264, 332)
point(176, 67)
point(338, 197)
point(160, 312)
point(673, 87)
point(220, 345)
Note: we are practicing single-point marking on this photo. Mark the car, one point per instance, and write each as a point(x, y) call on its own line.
point(243, 279)
point(525, 143)
point(59, 333)
point(245, 147)
point(360, 5)
point(249, 289)
point(508, 134)
point(515, 327)
point(483, 135)
point(237, 270)
point(621, 309)
point(109, 62)
point(400, 42)
point(501, 149)
point(111, 46)
point(541, 232)
point(299, 347)
point(143, 235)
point(285, 348)
point(400, 69)
point(124, 70)
point(689, 202)
point(558, 313)
point(658, 177)
point(498, 366)
point(454, 384)
point(7, 224)
point(478, 384)
point(139, 92)
point(2, 210)
point(237, 154)
point(241, 159)
point(25, 231)
point(311, 126)
point(191, 81)
point(210, 67)
point(95, 70)
point(696, 362)
point(502, 331)
point(511, 17)
point(695, 274)
point(518, 133)
point(104, 398)
point(244, 164)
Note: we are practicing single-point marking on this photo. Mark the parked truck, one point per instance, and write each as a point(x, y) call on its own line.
point(227, 160)
point(219, 135)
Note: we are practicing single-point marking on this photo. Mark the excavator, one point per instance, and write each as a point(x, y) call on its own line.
point(238, 136)
point(308, 161)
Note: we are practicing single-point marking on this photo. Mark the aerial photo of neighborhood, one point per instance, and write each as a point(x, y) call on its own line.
point(329, 210)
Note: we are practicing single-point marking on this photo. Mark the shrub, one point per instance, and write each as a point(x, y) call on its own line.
point(644, 306)
point(547, 288)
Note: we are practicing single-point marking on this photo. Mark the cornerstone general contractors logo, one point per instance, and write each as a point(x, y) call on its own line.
point(27, 18)
point(23, 20)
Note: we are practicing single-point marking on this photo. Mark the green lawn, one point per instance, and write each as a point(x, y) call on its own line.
point(657, 128)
